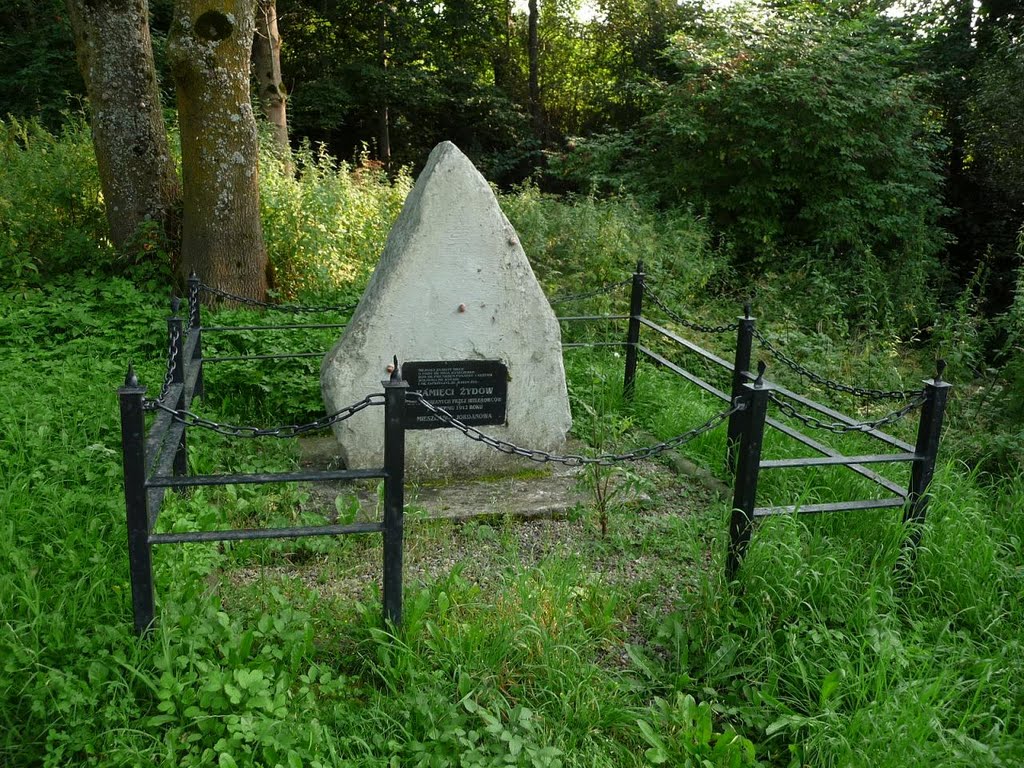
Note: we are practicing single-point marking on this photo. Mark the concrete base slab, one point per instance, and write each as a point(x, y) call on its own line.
point(547, 492)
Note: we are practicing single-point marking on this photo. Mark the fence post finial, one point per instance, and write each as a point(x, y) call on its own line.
point(130, 379)
point(940, 369)
point(639, 265)
point(175, 305)
point(746, 309)
point(396, 372)
point(761, 368)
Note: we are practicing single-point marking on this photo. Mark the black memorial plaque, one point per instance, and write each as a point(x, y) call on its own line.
point(473, 391)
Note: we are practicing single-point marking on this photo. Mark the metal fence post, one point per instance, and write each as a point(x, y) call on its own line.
point(741, 522)
point(177, 345)
point(140, 551)
point(936, 392)
point(636, 299)
point(196, 327)
point(741, 364)
point(394, 494)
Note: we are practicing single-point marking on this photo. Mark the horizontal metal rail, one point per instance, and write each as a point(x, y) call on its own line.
point(684, 373)
point(786, 430)
point(283, 356)
point(290, 327)
point(168, 449)
point(824, 449)
point(592, 317)
point(247, 534)
point(167, 481)
point(823, 461)
point(154, 503)
point(886, 438)
point(158, 430)
point(837, 506)
point(688, 344)
point(157, 439)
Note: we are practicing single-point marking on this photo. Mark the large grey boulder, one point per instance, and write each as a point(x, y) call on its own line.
point(452, 284)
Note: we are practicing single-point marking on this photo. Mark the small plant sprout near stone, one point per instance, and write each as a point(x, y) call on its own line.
point(608, 484)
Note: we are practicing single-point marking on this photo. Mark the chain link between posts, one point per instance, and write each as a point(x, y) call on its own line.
point(840, 428)
point(575, 460)
point(193, 300)
point(172, 346)
point(711, 329)
point(295, 308)
point(835, 386)
point(190, 419)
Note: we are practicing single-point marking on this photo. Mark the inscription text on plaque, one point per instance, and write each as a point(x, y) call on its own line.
point(473, 391)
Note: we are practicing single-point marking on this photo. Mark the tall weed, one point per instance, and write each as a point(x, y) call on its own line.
point(51, 208)
point(325, 222)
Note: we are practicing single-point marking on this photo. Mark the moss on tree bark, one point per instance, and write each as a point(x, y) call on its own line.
point(209, 50)
point(137, 174)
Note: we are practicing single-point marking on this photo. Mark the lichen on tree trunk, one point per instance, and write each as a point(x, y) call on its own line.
point(209, 50)
point(137, 174)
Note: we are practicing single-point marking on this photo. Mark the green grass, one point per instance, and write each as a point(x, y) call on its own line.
point(816, 656)
point(552, 645)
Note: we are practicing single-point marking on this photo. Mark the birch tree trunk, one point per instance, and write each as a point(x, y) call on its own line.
point(115, 56)
point(209, 49)
point(266, 62)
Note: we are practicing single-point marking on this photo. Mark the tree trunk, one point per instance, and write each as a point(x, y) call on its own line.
point(383, 118)
point(115, 55)
point(501, 51)
point(209, 49)
point(533, 53)
point(266, 62)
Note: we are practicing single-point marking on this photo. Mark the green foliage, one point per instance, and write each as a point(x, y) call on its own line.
point(587, 241)
point(800, 132)
point(38, 73)
point(625, 650)
point(804, 136)
point(597, 419)
point(51, 209)
point(683, 734)
point(325, 226)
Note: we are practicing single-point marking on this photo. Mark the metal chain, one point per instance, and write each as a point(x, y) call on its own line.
point(590, 294)
point(172, 344)
point(688, 323)
point(267, 305)
point(193, 298)
point(838, 427)
point(835, 386)
point(289, 430)
point(574, 460)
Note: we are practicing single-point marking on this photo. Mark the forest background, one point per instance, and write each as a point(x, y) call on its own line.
point(873, 145)
point(855, 169)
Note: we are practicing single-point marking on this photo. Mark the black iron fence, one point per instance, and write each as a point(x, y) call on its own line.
point(751, 395)
point(156, 458)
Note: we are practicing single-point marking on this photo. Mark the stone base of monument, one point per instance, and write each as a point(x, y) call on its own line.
point(543, 491)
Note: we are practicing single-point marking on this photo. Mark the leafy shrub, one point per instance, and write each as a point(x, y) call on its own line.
point(587, 242)
point(682, 734)
point(799, 131)
point(805, 138)
point(51, 209)
point(325, 226)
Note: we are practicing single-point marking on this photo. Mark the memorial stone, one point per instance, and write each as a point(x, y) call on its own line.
point(455, 298)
